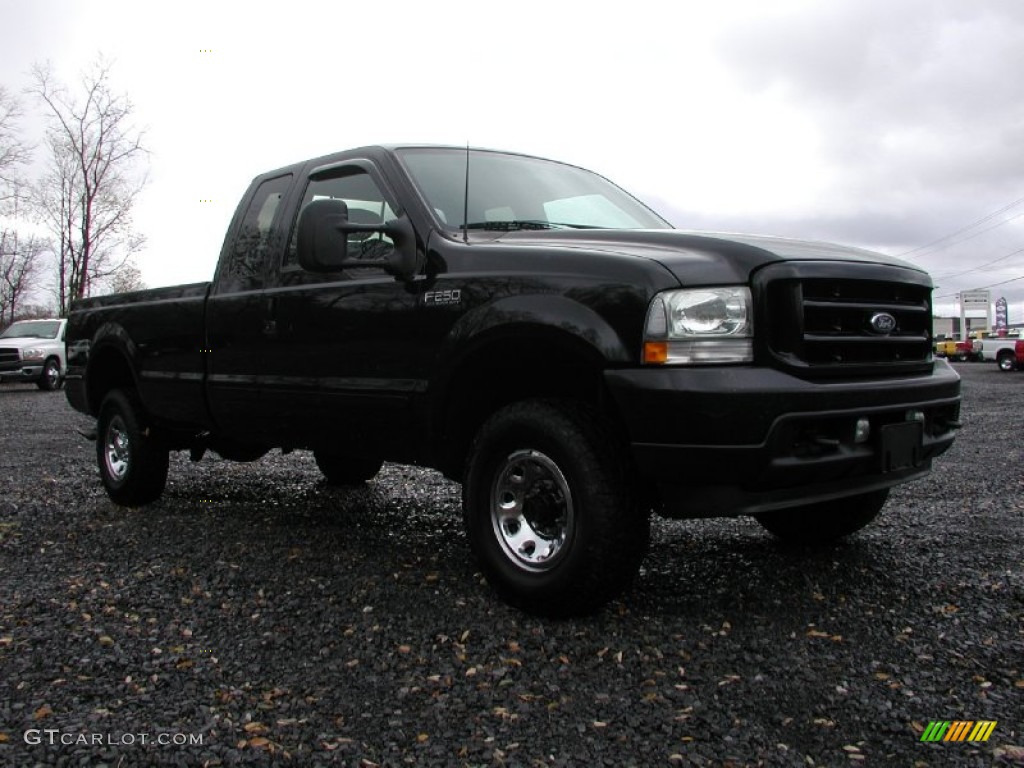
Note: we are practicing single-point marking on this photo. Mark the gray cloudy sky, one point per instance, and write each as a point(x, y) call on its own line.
point(886, 124)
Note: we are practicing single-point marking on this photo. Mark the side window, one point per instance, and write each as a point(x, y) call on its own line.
point(246, 262)
point(366, 205)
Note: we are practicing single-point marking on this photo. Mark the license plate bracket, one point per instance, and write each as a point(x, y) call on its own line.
point(902, 446)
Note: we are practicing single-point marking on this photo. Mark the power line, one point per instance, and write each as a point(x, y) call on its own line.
point(983, 287)
point(972, 225)
point(971, 236)
point(979, 267)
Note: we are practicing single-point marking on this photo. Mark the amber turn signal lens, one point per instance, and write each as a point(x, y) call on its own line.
point(655, 351)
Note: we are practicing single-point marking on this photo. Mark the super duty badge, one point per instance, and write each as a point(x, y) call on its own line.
point(444, 298)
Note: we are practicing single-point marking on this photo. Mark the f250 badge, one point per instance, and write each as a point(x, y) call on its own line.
point(446, 298)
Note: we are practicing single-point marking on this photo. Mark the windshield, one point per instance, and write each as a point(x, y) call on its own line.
point(510, 192)
point(39, 329)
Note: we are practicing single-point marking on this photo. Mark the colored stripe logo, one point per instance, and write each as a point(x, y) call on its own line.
point(958, 730)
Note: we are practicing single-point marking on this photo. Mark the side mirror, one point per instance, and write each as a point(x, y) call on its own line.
point(322, 242)
point(321, 245)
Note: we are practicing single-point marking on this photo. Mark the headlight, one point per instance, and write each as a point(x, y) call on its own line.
point(700, 325)
point(32, 353)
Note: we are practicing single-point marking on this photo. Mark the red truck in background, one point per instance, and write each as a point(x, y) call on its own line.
point(955, 350)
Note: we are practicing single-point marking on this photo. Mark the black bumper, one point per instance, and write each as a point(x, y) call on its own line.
point(744, 440)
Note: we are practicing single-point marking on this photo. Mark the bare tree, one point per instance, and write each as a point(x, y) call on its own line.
point(35, 312)
point(19, 264)
point(13, 151)
point(85, 198)
point(127, 278)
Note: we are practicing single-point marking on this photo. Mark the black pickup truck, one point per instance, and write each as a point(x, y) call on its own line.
point(537, 334)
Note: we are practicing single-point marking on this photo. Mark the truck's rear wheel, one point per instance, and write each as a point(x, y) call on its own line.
point(1007, 361)
point(549, 511)
point(346, 470)
point(133, 464)
point(825, 521)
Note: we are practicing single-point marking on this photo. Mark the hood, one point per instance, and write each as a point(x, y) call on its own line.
point(699, 258)
point(25, 341)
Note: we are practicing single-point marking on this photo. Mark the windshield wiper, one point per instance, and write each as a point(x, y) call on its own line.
point(511, 226)
point(520, 224)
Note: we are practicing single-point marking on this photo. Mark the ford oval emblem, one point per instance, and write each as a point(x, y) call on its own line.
point(883, 323)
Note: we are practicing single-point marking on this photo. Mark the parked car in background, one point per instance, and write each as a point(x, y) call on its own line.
point(955, 350)
point(997, 349)
point(33, 351)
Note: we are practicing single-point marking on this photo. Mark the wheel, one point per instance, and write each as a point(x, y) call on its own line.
point(132, 462)
point(549, 509)
point(825, 521)
point(1007, 361)
point(346, 470)
point(50, 380)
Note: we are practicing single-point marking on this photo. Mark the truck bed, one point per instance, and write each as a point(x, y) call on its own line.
point(167, 343)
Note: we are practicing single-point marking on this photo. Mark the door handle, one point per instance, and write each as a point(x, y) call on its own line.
point(270, 317)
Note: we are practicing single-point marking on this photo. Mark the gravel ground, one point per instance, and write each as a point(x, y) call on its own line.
point(283, 622)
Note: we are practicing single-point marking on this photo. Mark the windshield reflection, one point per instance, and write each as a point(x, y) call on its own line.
point(515, 192)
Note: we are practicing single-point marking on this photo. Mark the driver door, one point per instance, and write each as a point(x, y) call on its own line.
point(340, 370)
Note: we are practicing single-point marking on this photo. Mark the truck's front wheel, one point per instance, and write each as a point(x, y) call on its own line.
point(549, 510)
point(50, 379)
point(133, 464)
point(825, 521)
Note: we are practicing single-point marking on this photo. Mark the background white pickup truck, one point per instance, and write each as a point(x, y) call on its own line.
point(998, 349)
point(33, 351)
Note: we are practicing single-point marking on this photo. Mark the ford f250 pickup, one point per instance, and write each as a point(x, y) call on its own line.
point(537, 334)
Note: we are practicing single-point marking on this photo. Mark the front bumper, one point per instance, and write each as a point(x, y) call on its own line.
point(721, 441)
point(29, 372)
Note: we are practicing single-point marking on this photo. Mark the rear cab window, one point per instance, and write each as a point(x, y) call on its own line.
point(244, 266)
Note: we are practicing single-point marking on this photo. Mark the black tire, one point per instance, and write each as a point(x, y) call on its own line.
point(1007, 361)
point(825, 521)
point(549, 509)
point(346, 470)
point(50, 379)
point(132, 461)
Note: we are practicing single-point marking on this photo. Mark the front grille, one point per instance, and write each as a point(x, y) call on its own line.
point(830, 318)
point(9, 355)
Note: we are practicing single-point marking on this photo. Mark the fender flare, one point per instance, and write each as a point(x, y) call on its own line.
point(553, 316)
point(110, 338)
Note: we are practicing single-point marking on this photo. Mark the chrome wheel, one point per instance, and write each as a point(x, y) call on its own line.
point(52, 374)
point(532, 510)
point(549, 509)
point(1007, 363)
point(131, 458)
point(49, 379)
point(117, 450)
